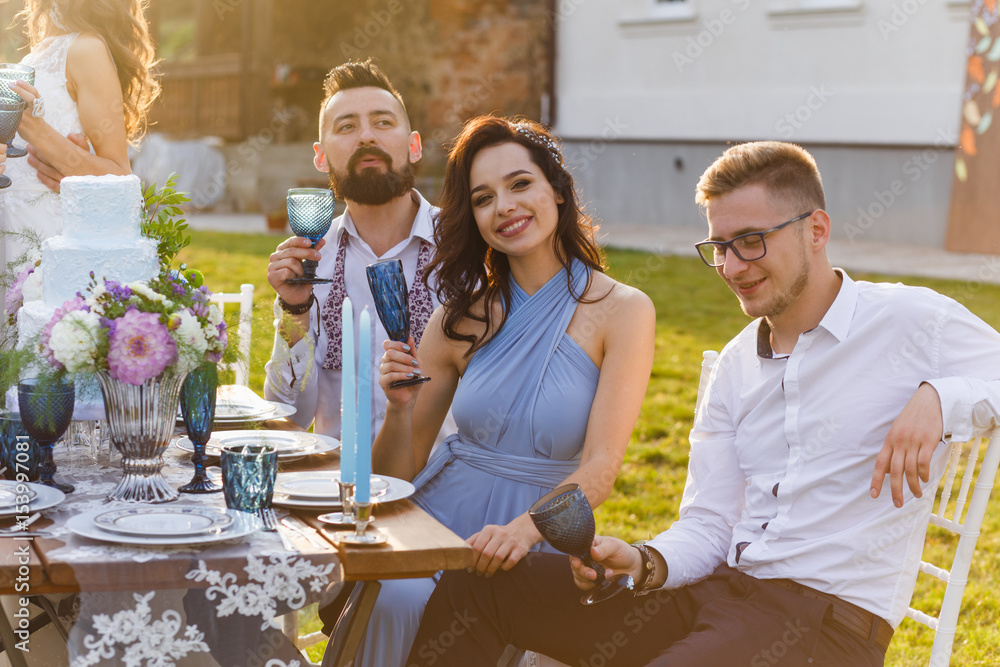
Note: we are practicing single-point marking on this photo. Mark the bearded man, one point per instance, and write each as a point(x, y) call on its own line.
point(368, 149)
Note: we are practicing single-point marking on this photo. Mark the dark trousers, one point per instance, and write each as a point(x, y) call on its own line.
point(728, 619)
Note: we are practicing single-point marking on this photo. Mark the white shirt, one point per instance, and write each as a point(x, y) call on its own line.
point(316, 391)
point(783, 449)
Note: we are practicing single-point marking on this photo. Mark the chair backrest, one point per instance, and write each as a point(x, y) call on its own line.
point(241, 367)
point(962, 515)
point(974, 466)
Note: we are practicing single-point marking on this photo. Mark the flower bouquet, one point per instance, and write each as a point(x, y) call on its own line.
point(141, 340)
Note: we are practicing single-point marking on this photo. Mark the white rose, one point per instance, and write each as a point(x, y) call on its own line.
point(191, 341)
point(74, 341)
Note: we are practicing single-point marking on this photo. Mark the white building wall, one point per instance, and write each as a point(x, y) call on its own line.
point(646, 101)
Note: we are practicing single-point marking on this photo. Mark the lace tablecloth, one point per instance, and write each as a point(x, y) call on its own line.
point(177, 605)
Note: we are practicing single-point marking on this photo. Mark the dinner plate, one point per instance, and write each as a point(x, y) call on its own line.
point(266, 410)
point(397, 490)
point(10, 495)
point(45, 497)
point(166, 520)
point(283, 441)
point(243, 524)
point(241, 411)
point(319, 486)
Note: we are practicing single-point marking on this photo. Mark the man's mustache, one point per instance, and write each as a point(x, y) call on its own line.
point(362, 153)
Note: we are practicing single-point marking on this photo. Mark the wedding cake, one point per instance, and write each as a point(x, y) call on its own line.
point(102, 219)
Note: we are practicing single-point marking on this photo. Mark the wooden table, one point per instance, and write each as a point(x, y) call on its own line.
point(418, 546)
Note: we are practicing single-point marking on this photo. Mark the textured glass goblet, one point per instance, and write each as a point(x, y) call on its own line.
point(198, 409)
point(10, 118)
point(310, 214)
point(46, 410)
point(566, 521)
point(248, 474)
point(9, 73)
point(392, 301)
point(18, 450)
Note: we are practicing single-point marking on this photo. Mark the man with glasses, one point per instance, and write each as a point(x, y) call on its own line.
point(786, 551)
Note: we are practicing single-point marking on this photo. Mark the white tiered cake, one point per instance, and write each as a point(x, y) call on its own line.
point(102, 218)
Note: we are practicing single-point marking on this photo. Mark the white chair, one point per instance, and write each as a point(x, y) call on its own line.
point(241, 367)
point(948, 514)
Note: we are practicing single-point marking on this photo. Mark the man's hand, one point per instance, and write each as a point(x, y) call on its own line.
point(616, 556)
point(910, 445)
point(286, 262)
point(48, 174)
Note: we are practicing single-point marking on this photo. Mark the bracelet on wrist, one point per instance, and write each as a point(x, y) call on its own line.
point(297, 308)
point(648, 570)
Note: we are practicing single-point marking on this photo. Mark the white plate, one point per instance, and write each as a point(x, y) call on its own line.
point(165, 520)
point(9, 493)
point(397, 490)
point(317, 486)
point(45, 497)
point(242, 411)
point(267, 410)
point(318, 444)
point(243, 524)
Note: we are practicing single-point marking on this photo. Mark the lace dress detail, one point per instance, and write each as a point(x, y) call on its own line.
point(27, 204)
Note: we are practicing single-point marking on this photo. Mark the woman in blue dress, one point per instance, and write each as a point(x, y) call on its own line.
point(542, 358)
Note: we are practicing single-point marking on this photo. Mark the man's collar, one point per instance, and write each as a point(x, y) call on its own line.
point(837, 319)
point(423, 222)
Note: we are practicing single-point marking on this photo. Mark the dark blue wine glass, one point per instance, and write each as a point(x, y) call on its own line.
point(46, 406)
point(18, 450)
point(392, 301)
point(566, 521)
point(198, 409)
point(310, 214)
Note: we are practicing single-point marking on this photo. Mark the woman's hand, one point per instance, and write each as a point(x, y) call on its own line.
point(616, 556)
point(501, 547)
point(400, 362)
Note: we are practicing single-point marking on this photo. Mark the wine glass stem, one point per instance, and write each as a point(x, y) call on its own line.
point(47, 467)
point(597, 567)
point(198, 458)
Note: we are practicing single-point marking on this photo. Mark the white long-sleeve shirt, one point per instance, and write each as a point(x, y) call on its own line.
point(316, 391)
point(783, 448)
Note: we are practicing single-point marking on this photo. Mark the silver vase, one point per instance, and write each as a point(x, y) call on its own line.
point(141, 422)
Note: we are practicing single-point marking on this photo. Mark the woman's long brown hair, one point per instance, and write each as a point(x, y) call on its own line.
point(466, 269)
point(122, 24)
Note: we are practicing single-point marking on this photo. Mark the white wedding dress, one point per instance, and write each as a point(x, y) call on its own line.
point(27, 205)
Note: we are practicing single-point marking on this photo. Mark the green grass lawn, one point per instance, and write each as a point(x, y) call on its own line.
point(694, 312)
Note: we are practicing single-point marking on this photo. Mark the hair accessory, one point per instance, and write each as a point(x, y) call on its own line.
point(38, 107)
point(526, 131)
point(57, 18)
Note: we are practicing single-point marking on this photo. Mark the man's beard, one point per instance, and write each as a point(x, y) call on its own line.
point(371, 187)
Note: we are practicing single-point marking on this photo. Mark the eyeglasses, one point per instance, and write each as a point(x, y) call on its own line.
point(748, 247)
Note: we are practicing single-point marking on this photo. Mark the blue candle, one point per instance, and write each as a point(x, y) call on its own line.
point(363, 462)
point(348, 408)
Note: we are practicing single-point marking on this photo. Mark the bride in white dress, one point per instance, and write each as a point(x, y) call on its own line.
point(93, 87)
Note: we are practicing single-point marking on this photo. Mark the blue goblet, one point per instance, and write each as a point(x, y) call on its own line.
point(9, 73)
point(392, 301)
point(46, 410)
point(310, 214)
point(566, 521)
point(18, 450)
point(198, 409)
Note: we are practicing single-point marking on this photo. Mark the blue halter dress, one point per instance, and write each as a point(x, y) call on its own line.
point(522, 408)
